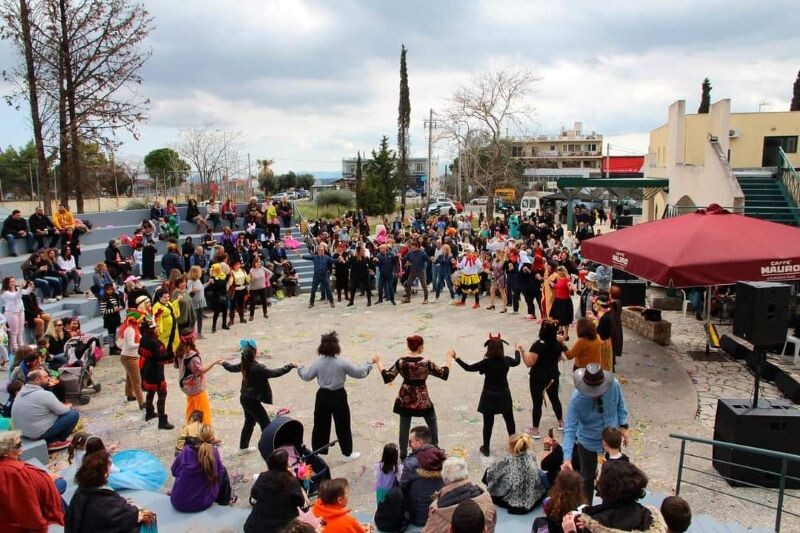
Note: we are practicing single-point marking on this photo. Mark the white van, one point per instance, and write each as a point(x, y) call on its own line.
point(531, 202)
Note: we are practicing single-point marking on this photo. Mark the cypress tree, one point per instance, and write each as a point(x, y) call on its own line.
point(796, 97)
point(403, 123)
point(705, 99)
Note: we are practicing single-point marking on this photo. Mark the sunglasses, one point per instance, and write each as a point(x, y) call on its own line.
point(58, 324)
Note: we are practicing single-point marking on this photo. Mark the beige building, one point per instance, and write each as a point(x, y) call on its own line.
point(569, 149)
point(704, 156)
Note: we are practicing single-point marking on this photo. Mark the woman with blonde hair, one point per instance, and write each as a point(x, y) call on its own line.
point(516, 482)
point(200, 477)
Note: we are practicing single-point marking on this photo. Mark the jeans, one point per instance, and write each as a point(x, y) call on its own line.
point(62, 427)
point(386, 288)
point(443, 280)
point(420, 275)
point(42, 285)
point(405, 428)
point(436, 274)
point(11, 239)
point(56, 287)
point(324, 283)
point(588, 469)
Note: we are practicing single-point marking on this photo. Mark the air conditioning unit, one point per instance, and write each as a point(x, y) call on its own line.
point(734, 134)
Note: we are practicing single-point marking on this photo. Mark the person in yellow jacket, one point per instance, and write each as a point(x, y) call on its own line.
point(165, 314)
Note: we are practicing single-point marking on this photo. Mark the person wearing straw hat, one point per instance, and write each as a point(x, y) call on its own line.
point(596, 403)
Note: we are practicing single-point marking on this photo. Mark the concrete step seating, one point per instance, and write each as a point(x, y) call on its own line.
point(219, 518)
point(88, 309)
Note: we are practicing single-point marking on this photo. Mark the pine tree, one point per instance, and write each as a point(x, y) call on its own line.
point(796, 97)
point(380, 183)
point(705, 99)
point(403, 123)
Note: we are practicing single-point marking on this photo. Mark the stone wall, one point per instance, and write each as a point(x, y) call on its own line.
point(658, 332)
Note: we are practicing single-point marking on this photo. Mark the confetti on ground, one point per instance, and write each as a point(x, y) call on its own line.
point(237, 478)
point(458, 451)
point(379, 424)
point(472, 420)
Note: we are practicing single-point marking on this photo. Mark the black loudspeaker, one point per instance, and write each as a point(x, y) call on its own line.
point(788, 385)
point(633, 292)
point(774, 425)
point(733, 347)
point(762, 312)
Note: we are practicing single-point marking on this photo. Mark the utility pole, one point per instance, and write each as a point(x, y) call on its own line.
point(431, 125)
point(249, 176)
point(608, 160)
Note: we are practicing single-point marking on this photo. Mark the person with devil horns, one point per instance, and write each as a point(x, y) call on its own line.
point(496, 395)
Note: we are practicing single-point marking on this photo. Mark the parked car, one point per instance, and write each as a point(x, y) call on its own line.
point(412, 194)
point(480, 200)
point(280, 196)
point(437, 208)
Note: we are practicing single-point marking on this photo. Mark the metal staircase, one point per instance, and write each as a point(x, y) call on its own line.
point(765, 197)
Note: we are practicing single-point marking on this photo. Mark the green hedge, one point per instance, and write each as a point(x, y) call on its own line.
point(341, 198)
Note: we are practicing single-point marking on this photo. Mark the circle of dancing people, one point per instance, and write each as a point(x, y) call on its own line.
point(542, 269)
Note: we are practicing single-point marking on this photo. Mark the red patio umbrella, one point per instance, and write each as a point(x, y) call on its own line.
point(705, 248)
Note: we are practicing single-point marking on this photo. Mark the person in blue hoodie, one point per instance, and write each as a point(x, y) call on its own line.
point(322, 266)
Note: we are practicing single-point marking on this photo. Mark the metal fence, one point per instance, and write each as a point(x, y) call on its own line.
point(780, 474)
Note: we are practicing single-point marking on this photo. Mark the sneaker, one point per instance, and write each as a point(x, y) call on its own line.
point(533, 432)
point(352, 457)
point(476, 306)
point(459, 303)
point(58, 445)
point(50, 300)
point(530, 317)
point(245, 451)
point(560, 425)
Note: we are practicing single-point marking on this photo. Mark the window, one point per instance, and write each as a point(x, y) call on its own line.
point(788, 143)
point(420, 167)
point(552, 147)
point(517, 151)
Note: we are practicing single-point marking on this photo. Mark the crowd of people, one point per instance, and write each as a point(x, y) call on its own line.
point(506, 259)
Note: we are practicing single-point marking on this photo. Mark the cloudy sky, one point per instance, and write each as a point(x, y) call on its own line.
point(307, 82)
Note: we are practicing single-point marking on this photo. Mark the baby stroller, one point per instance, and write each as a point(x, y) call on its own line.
point(76, 375)
point(287, 433)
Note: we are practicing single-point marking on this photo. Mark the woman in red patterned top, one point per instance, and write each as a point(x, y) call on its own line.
point(413, 399)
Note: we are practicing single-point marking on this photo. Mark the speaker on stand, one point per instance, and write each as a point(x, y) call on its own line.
point(762, 318)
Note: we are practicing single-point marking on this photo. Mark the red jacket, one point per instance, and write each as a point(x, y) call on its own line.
point(29, 500)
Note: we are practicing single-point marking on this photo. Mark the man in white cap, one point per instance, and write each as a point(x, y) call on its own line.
point(596, 403)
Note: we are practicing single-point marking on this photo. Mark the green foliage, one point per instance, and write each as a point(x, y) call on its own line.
point(166, 163)
point(796, 95)
point(268, 183)
point(134, 205)
point(705, 98)
point(15, 168)
point(381, 182)
point(334, 198)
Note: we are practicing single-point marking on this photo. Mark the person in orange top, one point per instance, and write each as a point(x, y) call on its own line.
point(587, 348)
point(331, 507)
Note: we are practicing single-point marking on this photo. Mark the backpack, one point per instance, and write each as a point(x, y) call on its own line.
point(390, 515)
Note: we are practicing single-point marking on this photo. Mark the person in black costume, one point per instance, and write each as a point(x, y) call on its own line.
point(496, 396)
point(255, 390)
point(542, 358)
point(359, 275)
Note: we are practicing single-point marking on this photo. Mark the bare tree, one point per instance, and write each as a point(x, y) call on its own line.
point(481, 113)
point(16, 28)
point(210, 152)
point(87, 55)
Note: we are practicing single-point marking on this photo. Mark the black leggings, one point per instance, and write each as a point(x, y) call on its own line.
point(488, 424)
point(254, 413)
point(538, 386)
point(161, 403)
point(332, 404)
point(220, 309)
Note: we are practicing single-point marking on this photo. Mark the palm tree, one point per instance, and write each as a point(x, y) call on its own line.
point(264, 167)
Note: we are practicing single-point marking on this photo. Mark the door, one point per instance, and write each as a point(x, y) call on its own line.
point(771, 156)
